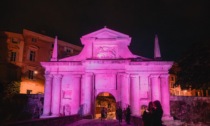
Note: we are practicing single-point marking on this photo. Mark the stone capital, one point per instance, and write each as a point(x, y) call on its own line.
point(77, 75)
point(57, 75)
point(134, 75)
point(48, 76)
point(154, 76)
point(87, 75)
point(164, 75)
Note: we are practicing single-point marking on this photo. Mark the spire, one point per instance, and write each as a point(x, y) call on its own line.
point(157, 54)
point(55, 50)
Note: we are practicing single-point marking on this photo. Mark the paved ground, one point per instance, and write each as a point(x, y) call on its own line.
point(98, 122)
point(112, 122)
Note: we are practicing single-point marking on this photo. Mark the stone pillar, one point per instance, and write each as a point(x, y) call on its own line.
point(47, 95)
point(56, 94)
point(77, 94)
point(143, 89)
point(125, 90)
point(134, 94)
point(155, 87)
point(165, 96)
point(86, 92)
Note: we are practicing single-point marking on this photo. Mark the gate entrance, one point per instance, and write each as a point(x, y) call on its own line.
point(107, 101)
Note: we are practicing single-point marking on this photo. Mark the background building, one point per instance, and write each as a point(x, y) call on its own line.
point(27, 50)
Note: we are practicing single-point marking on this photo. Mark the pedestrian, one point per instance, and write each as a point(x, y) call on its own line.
point(147, 115)
point(119, 113)
point(128, 115)
point(157, 113)
point(103, 113)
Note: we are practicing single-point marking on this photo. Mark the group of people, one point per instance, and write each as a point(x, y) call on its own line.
point(126, 113)
point(152, 115)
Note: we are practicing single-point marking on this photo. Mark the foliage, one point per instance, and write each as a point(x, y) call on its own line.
point(9, 89)
point(193, 68)
point(190, 109)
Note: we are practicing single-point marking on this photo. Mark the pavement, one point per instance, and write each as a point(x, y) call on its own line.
point(114, 122)
point(98, 122)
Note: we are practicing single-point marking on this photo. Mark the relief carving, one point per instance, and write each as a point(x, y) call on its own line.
point(104, 52)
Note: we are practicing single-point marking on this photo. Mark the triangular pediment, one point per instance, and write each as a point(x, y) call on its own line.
point(106, 33)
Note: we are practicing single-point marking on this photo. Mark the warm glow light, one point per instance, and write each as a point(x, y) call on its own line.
point(35, 72)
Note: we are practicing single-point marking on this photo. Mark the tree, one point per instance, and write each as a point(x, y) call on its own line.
point(193, 69)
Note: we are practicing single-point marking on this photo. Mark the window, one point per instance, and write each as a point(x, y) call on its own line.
point(13, 56)
point(30, 74)
point(69, 50)
point(28, 91)
point(33, 39)
point(32, 56)
point(15, 40)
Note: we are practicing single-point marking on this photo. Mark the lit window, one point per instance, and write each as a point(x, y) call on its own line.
point(30, 74)
point(32, 56)
point(28, 91)
point(13, 56)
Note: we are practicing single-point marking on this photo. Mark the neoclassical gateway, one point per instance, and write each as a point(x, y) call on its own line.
point(105, 65)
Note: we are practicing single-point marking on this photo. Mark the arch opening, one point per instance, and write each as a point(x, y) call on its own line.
point(108, 101)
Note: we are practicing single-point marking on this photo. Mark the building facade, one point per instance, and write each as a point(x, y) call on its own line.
point(105, 65)
point(27, 50)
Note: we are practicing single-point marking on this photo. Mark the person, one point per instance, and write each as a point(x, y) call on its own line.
point(103, 113)
point(128, 115)
point(119, 114)
point(124, 113)
point(147, 115)
point(157, 113)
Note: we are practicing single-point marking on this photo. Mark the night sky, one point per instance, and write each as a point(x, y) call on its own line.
point(178, 23)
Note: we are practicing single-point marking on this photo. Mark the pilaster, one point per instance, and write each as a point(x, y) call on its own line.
point(56, 94)
point(47, 95)
point(134, 94)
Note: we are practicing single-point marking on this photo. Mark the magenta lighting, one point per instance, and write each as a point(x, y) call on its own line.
point(105, 65)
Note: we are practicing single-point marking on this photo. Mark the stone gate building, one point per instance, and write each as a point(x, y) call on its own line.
point(104, 65)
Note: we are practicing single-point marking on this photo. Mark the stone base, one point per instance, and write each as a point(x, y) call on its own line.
point(48, 116)
point(167, 118)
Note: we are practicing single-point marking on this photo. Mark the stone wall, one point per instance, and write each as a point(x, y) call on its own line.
point(190, 109)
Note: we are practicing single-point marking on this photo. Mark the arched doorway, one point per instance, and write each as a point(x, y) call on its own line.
point(108, 101)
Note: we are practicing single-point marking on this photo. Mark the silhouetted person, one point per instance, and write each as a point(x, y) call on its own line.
point(157, 113)
point(124, 113)
point(119, 114)
point(147, 115)
point(128, 115)
point(103, 113)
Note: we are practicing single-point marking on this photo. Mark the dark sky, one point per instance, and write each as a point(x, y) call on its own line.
point(178, 23)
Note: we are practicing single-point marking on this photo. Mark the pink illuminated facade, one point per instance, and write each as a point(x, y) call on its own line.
point(105, 65)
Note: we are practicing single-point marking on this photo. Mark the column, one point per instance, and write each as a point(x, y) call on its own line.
point(165, 96)
point(155, 87)
point(56, 94)
point(86, 93)
point(47, 95)
point(134, 91)
point(76, 98)
point(125, 90)
point(143, 89)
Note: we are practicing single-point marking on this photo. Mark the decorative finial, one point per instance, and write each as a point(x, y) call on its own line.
point(157, 54)
point(55, 50)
